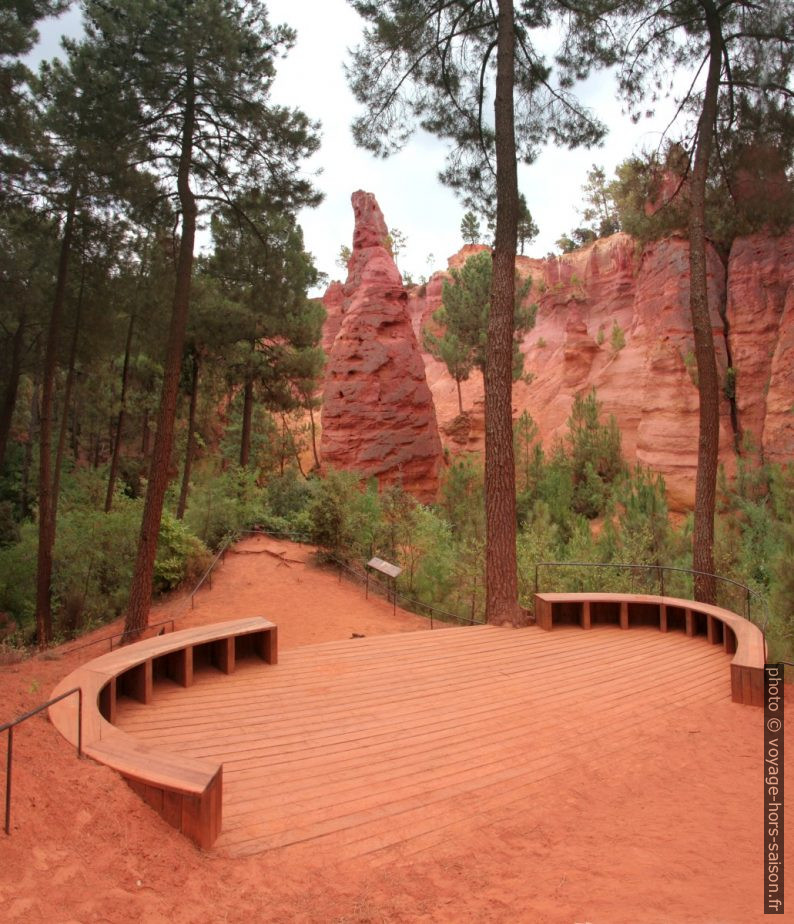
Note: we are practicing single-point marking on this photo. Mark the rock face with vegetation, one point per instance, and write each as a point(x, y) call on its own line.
point(760, 314)
point(378, 416)
point(614, 316)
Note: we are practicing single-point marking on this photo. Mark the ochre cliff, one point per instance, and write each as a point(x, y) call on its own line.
point(378, 416)
point(615, 317)
point(760, 316)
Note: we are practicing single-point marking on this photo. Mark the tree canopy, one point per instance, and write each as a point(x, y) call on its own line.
point(466, 304)
point(436, 65)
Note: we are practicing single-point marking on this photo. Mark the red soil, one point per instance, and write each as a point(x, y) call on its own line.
point(670, 833)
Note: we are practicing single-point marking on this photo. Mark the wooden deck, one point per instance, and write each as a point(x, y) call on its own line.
point(359, 746)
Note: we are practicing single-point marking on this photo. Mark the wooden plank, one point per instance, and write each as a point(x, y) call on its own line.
point(172, 808)
point(180, 665)
point(543, 617)
point(689, 622)
point(370, 780)
point(153, 795)
point(711, 629)
point(223, 654)
point(136, 682)
point(270, 652)
point(107, 701)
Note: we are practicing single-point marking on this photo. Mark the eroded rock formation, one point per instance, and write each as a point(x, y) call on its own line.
point(615, 317)
point(760, 317)
point(378, 416)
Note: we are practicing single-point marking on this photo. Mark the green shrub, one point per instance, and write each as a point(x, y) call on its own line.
point(224, 503)
point(617, 338)
point(181, 556)
point(288, 497)
point(344, 517)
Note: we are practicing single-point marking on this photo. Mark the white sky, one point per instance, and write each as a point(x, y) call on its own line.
point(406, 185)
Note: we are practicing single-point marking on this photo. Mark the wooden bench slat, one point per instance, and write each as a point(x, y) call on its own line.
point(740, 637)
point(185, 791)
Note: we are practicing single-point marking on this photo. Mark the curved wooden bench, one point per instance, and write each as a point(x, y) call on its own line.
point(185, 791)
point(741, 638)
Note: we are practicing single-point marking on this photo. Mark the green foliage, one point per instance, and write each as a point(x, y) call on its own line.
point(343, 257)
point(617, 338)
point(470, 228)
point(181, 557)
point(746, 190)
point(596, 460)
point(429, 65)
point(527, 229)
point(601, 215)
point(525, 441)
point(224, 502)
point(690, 363)
point(395, 242)
point(466, 302)
point(93, 558)
point(649, 196)
point(729, 386)
point(344, 517)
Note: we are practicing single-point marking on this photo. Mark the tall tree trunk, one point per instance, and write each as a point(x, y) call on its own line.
point(293, 444)
point(141, 587)
point(248, 408)
point(145, 433)
point(46, 524)
point(191, 439)
point(33, 432)
point(501, 580)
point(313, 428)
point(67, 400)
point(125, 375)
point(75, 430)
point(12, 388)
point(460, 398)
point(708, 379)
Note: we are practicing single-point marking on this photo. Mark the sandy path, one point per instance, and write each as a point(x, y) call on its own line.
point(672, 834)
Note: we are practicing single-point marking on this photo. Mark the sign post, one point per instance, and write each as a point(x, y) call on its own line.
point(390, 570)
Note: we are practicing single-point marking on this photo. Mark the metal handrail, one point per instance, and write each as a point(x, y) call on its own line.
point(208, 573)
point(435, 613)
point(124, 634)
point(10, 726)
point(661, 570)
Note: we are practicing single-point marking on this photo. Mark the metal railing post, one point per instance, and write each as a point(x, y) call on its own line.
point(9, 758)
point(80, 722)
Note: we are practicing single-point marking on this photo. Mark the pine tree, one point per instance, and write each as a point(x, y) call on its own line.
point(430, 64)
point(195, 77)
point(466, 305)
point(470, 228)
point(746, 52)
point(264, 272)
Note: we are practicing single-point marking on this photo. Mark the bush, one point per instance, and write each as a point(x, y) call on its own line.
point(344, 517)
point(180, 556)
point(595, 453)
point(288, 498)
point(224, 503)
point(93, 560)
